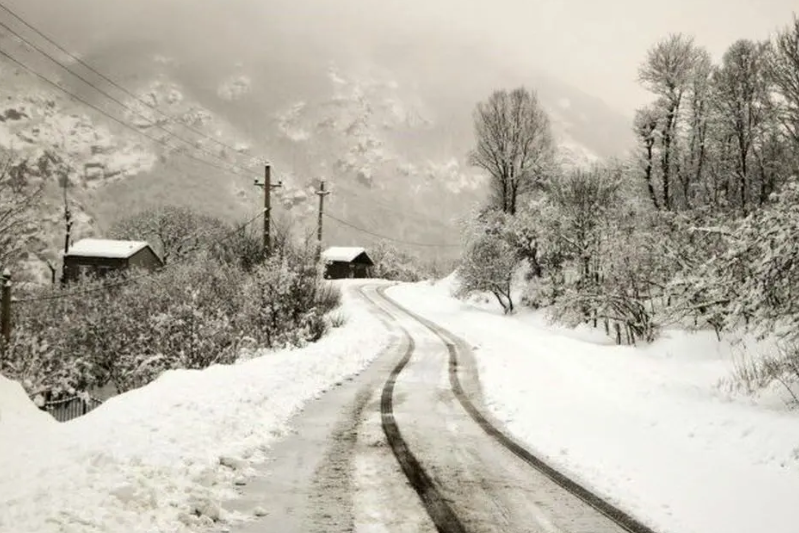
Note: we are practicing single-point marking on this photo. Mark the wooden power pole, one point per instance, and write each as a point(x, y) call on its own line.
point(322, 193)
point(68, 228)
point(268, 186)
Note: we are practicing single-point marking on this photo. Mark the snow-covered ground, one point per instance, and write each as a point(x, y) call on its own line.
point(648, 427)
point(162, 457)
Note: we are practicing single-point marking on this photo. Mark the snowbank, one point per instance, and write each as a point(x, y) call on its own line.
point(18, 415)
point(160, 458)
point(646, 427)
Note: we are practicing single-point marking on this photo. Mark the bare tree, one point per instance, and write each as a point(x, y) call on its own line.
point(667, 72)
point(514, 144)
point(691, 170)
point(742, 87)
point(174, 232)
point(18, 198)
point(784, 71)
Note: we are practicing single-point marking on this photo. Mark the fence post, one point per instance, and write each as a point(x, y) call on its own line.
point(5, 307)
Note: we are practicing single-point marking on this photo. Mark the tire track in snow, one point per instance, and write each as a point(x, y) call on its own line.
point(617, 515)
point(440, 512)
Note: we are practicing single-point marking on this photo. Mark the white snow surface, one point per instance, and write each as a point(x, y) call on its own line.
point(106, 248)
point(342, 253)
point(647, 428)
point(150, 459)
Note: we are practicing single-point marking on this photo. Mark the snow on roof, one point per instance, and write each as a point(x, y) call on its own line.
point(105, 248)
point(342, 253)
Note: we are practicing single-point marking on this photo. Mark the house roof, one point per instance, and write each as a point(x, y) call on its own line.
point(342, 253)
point(105, 248)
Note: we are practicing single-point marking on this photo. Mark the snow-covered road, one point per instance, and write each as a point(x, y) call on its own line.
point(647, 428)
point(340, 471)
point(163, 457)
point(488, 486)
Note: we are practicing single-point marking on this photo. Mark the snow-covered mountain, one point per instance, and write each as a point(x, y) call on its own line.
point(387, 126)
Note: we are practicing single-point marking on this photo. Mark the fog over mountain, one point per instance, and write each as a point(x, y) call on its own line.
point(375, 98)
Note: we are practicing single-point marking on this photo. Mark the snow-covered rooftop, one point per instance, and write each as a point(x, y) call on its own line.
point(105, 248)
point(342, 253)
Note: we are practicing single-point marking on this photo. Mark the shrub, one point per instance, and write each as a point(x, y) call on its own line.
point(752, 374)
point(192, 315)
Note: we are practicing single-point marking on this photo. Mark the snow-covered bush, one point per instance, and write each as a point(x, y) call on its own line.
point(489, 261)
point(752, 374)
point(192, 314)
point(396, 265)
point(751, 278)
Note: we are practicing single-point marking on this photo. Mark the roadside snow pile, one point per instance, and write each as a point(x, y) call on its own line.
point(646, 427)
point(18, 415)
point(162, 457)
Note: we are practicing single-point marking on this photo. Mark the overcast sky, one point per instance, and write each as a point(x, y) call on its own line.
point(597, 45)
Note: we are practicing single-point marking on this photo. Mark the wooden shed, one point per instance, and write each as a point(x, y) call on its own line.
point(343, 262)
point(98, 257)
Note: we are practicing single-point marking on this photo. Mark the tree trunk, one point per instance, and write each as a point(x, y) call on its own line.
point(666, 158)
point(648, 173)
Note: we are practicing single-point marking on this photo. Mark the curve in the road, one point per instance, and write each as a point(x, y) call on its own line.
point(620, 517)
point(442, 515)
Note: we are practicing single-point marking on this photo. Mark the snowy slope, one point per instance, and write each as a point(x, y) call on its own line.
point(162, 457)
point(646, 427)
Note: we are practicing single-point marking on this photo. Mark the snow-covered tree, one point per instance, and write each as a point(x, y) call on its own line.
point(394, 264)
point(692, 161)
point(743, 91)
point(173, 231)
point(784, 72)
point(668, 72)
point(489, 260)
point(18, 198)
point(647, 126)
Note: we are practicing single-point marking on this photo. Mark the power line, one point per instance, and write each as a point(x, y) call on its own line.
point(127, 280)
point(103, 112)
point(378, 235)
point(108, 79)
point(420, 217)
point(122, 104)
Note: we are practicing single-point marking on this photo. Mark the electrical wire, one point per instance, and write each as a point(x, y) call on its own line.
point(418, 216)
point(394, 239)
point(106, 78)
point(110, 97)
point(413, 215)
point(103, 112)
point(22, 39)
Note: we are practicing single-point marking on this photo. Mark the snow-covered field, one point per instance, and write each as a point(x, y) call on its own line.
point(162, 457)
point(648, 427)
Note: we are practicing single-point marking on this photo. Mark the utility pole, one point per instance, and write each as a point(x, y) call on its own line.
point(5, 307)
point(322, 193)
point(68, 223)
point(268, 186)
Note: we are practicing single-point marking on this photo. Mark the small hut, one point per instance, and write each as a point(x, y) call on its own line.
point(98, 257)
point(343, 262)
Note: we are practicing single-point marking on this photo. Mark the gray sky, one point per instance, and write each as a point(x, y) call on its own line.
point(597, 45)
point(593, 45)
